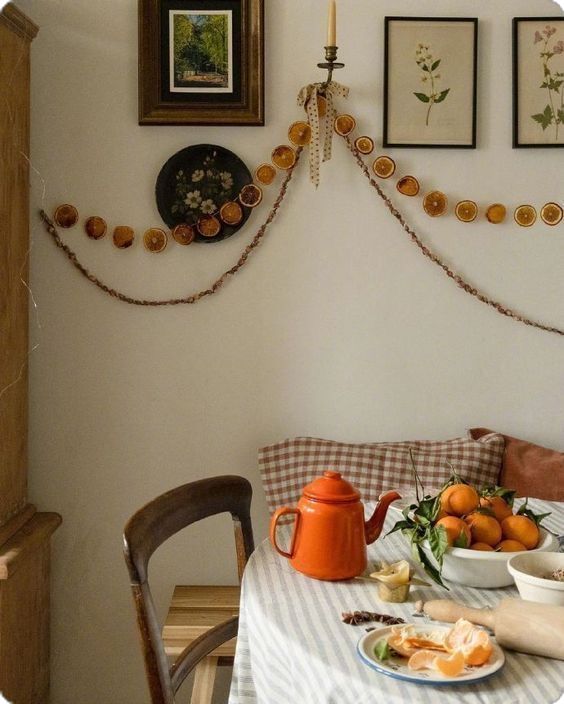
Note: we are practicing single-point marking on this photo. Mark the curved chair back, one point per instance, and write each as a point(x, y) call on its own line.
point(149, 528)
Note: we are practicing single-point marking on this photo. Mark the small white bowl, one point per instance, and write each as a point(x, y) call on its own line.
point(484, 569)
point(528, 571)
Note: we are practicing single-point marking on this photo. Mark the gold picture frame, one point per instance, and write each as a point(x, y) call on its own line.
point(201, 62)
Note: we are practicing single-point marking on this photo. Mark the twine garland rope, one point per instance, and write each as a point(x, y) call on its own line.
point(257, 239)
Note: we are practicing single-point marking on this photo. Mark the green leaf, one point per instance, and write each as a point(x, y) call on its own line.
point(382, 649)
point(508, 495)
point(428, 566)
point(561, 115)
point(545, 118)
point(435, 66)
point(425, 68)
point(428, 509)
point(461, 541)
point(524, 510)
point(422, 97)
point(401, 525)
point(439, 543)
point(442, 95)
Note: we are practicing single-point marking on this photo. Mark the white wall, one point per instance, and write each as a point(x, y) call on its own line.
point(337, 328)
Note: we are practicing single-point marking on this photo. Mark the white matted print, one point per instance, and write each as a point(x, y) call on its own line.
point(430, 82)
point(201, 51)
point(538, 82)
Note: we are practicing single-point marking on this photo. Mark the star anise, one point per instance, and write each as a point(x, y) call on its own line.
point(354, 618)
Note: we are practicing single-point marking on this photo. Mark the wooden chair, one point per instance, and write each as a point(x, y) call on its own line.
point(208, 611)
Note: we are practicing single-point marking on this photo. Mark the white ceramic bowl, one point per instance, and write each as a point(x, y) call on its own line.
point(528, 571)
point(484, 569)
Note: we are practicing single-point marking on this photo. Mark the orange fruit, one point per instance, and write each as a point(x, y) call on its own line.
point(155, 239)
point(184, 233)
point(384, 166)
point(95, 227)
point(459, 499)
point(283, 156)
point(472, 642)
point(510, 546)
point(123, 236)
point(551, 213)
point(522, 529)
point(365, 145)
point(265, 174)
point(231, 213)
point(496, 213)
point(250, 195)
point(208, 226)
point(481, 546)
point(484, 529)
point(435, 204)
point(408, 186)
point(525, 215)
point(450, 665)
point(299, 133)
point(466, 210)
point(498, 506)
point(457, 531)
point(344, 124)
point(66, 215)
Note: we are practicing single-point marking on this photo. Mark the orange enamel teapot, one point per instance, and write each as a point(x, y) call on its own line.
point(330, 535)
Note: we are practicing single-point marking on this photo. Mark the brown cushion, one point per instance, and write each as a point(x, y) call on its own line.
point(532, 470)
point(372, 468)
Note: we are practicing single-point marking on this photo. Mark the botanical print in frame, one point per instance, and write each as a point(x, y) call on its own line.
point(201, 51)
point(538, 82)
point(201, 62)
point(430, 82)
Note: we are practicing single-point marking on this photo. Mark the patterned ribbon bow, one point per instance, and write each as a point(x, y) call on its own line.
point(308, 97)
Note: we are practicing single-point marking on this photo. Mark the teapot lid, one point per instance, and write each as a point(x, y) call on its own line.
point(331, 487)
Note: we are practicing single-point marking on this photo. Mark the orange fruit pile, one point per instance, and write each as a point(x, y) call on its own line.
point(484, 522)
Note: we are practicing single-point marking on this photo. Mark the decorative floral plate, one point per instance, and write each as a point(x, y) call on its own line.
point(195, 182)
point(396, 667)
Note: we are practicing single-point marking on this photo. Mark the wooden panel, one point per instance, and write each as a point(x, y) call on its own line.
point(195, 609)
point(16, 551)
point(15, 33)
point(24, 621)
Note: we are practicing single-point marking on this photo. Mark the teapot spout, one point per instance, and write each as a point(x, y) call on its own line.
point(373, 527)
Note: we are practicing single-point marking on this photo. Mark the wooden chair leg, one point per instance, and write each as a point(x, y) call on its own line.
point(204, 679)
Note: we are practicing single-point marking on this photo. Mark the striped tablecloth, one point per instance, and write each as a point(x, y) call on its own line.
point(293, 647)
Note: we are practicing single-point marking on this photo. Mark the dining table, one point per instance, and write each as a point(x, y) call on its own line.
point(293, 645)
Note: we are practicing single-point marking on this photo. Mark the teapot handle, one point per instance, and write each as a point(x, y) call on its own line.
point(273, 525)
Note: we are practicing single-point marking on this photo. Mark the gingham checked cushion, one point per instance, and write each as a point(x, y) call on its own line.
point(372, 468)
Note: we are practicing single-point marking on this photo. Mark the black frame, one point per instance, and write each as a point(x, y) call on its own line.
point(516, 21)
point(385, 140)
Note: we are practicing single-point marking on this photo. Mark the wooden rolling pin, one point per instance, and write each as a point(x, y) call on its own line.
point(524, 626)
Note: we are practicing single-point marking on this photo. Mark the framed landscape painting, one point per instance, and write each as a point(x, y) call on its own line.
point(201, 62)
point(538, 82)
point(430, 82)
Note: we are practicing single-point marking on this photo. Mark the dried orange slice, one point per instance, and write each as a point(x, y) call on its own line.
point(551, 213)
point(95, 227)
point(525, 215)
point(231, 213)
point(283, 156)
point(435, 204)
point(265, 174)
point(299, 133)
point(364, 144)
point(123, 236)
point(250, 195)
point(344, 124)
point(66, 215)
point(155, 240)
point(408, 185)
point(496, 213)
point(384, 166)
point(184, 234)
point(466, 210)
point(208, 226)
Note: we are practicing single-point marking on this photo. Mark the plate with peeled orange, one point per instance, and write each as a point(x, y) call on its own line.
point(465, 534)
point(432, 654)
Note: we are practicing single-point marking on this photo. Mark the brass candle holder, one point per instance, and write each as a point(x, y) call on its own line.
point(330, 63)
